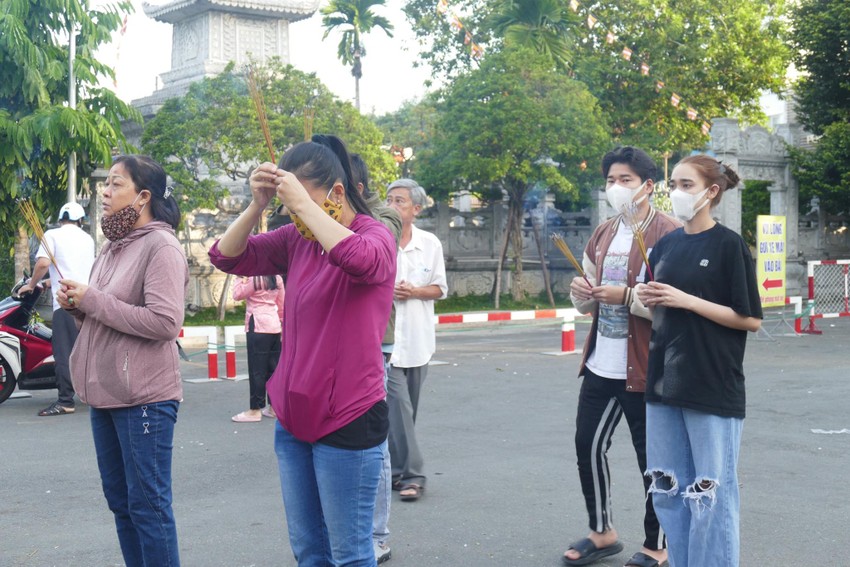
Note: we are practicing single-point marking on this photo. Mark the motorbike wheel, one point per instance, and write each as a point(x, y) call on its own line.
point(7, 380)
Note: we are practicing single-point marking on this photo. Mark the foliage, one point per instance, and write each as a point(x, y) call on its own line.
point(821, 41)
point(213, 129)
point(717, 56)
point(411, 126)
point(825, 171)
point(354, 18)
point(37, 127)
point(510, 125)
point(755, 201)
point(544, 25)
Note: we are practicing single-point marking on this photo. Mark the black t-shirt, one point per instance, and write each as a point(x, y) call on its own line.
point(693, 362)
point(365, 432)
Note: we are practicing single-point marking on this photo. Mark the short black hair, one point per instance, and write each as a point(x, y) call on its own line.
point(637, 160)
point(148, 174)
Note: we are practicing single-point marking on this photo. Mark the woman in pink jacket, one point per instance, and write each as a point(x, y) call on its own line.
point(263, 297)
point(124, 364)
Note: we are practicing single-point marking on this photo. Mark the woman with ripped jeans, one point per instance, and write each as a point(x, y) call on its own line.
point(704, 300)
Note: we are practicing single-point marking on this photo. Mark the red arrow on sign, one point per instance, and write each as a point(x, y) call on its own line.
point(769, 284)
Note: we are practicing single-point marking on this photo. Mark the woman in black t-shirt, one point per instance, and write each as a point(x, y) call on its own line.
point(704, 300)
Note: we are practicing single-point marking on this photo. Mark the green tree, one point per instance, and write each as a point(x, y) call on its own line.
point(355, 18)
point(820, 38)
point(37, 127)
point(716, 56)
point(411, 126)
point(821, 42)
point(508, 126)
point(543, 25)
point(825, 171)
point(213, 131)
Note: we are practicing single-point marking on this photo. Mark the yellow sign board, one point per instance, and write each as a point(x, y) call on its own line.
point(770, 260)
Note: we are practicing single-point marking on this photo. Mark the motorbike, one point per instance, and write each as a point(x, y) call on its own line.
point(26, 350)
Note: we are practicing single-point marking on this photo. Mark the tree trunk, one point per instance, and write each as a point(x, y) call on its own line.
point(547, 284)
point(497, 284)
point(517, 291)
point(357, 93)
point(222, 299)
point(22, 253)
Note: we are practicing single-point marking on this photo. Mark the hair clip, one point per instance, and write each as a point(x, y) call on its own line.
point(168, 191)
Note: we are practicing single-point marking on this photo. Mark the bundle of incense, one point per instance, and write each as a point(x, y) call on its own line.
point(565, 250)
point(630, 213)
point(260, 106)
point(31, 217)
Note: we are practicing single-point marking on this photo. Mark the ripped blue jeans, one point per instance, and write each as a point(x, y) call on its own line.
point(692, 461)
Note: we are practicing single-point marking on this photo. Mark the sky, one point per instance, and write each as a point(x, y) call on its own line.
point(389, 78)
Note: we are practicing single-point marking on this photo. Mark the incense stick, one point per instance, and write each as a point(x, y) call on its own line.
point(565, 250)
point(260, 106)
point(630, 215)
point(31, 217)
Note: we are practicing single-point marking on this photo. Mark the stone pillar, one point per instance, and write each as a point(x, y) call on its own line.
point(97, 181)
point(601, 210)
point(728, 212)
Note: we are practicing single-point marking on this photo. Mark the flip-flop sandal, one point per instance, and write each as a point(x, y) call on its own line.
point(397, 485)
point(589, 553)
point(641, 559)
point(413, 496)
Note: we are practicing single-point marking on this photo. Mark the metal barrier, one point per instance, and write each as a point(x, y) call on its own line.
point(828, 291)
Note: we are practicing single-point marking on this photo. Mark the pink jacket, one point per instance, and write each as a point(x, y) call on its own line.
point(331, 370)
point(131, 315)
point(266, 305)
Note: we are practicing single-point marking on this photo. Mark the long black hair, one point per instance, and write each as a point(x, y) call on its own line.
point(148, 174)
point(324, 161)
point(265, 282)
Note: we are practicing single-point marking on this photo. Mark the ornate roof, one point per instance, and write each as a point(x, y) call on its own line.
point(179, 10)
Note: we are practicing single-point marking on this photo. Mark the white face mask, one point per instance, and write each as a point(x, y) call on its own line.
point(685, 205)
point(620, 197)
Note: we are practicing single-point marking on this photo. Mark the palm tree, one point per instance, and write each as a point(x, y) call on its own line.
point(543, 25)
point(354, 18)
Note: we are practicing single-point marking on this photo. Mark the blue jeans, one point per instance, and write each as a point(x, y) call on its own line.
point(381, 520)
point(329, 498)
point(692, 460)
point(134, 447)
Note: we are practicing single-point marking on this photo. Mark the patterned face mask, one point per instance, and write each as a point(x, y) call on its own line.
point(119, 224)
point(334, 210)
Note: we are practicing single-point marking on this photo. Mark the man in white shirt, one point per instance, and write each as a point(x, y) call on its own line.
point(420, 279)
point(73, 250)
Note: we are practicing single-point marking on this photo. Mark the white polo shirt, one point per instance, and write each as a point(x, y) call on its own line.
point(73, 250)
point(421, 264)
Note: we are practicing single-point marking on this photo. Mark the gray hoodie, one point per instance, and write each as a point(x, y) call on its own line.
point(131, 315)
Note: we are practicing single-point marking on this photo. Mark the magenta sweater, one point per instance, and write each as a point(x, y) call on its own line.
point(337, 306)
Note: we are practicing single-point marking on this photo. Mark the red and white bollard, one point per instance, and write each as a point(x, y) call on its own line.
point(230, 349)
point(568, 335)
point(212, 346)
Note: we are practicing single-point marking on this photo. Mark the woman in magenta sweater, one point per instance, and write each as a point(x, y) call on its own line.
point(328, 389)
point(263, 297)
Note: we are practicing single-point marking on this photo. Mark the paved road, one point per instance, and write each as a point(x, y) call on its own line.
point(496, 423)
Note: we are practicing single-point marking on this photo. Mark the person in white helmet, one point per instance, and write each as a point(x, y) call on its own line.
point(73, 250)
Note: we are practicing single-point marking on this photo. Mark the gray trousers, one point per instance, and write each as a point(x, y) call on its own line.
point(65, 332)
point(403, 398)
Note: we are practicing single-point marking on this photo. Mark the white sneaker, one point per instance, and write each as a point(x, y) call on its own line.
point(382, 552)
